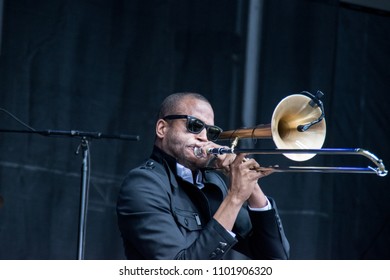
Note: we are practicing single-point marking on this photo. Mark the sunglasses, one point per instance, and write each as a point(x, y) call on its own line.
point(195, 125)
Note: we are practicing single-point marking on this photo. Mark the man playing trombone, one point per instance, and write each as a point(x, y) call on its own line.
point(173, 207)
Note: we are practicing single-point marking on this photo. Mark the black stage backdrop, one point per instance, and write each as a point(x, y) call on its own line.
point(105, 66)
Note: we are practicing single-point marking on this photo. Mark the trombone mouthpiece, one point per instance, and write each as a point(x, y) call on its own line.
point(198, 152)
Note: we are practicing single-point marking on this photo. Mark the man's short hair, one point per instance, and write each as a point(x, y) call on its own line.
point(170, 103)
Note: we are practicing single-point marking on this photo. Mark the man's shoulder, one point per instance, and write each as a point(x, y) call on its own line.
point(149, 167)
point(150, 176)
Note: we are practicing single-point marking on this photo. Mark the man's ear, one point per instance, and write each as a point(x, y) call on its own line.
point(161, 128)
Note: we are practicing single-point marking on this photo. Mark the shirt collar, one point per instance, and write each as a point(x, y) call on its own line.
point(186, 174)
point(178, 169)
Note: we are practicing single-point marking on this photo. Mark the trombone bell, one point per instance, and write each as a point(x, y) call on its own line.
point(292, 111)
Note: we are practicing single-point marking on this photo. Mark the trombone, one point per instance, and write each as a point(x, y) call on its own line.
point(298, 130)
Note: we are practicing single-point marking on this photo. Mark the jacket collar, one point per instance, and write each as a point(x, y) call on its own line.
point(171, 167)
point(168, 162)
point(162, 157)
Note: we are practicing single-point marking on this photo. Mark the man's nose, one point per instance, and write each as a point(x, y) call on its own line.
point(202, 136)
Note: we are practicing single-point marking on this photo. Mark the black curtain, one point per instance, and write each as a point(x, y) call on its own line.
point(361, 83)
point(105, 66)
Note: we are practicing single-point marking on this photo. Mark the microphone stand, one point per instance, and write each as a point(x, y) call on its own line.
point(85, 170)
point(84, 192)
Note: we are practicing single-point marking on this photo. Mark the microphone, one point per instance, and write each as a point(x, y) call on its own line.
point(315, 101)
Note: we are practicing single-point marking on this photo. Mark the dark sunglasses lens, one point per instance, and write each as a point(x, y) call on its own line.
point(213, 133)
point(195, 125)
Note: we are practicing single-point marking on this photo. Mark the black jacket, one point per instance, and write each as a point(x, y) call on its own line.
point(161, 216)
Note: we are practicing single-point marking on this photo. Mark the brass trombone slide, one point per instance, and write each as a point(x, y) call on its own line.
point(298, 130)
point(379, 170)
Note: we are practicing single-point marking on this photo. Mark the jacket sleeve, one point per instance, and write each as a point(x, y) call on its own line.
point(261, 233)
point(268, 238)
point(148, 226)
